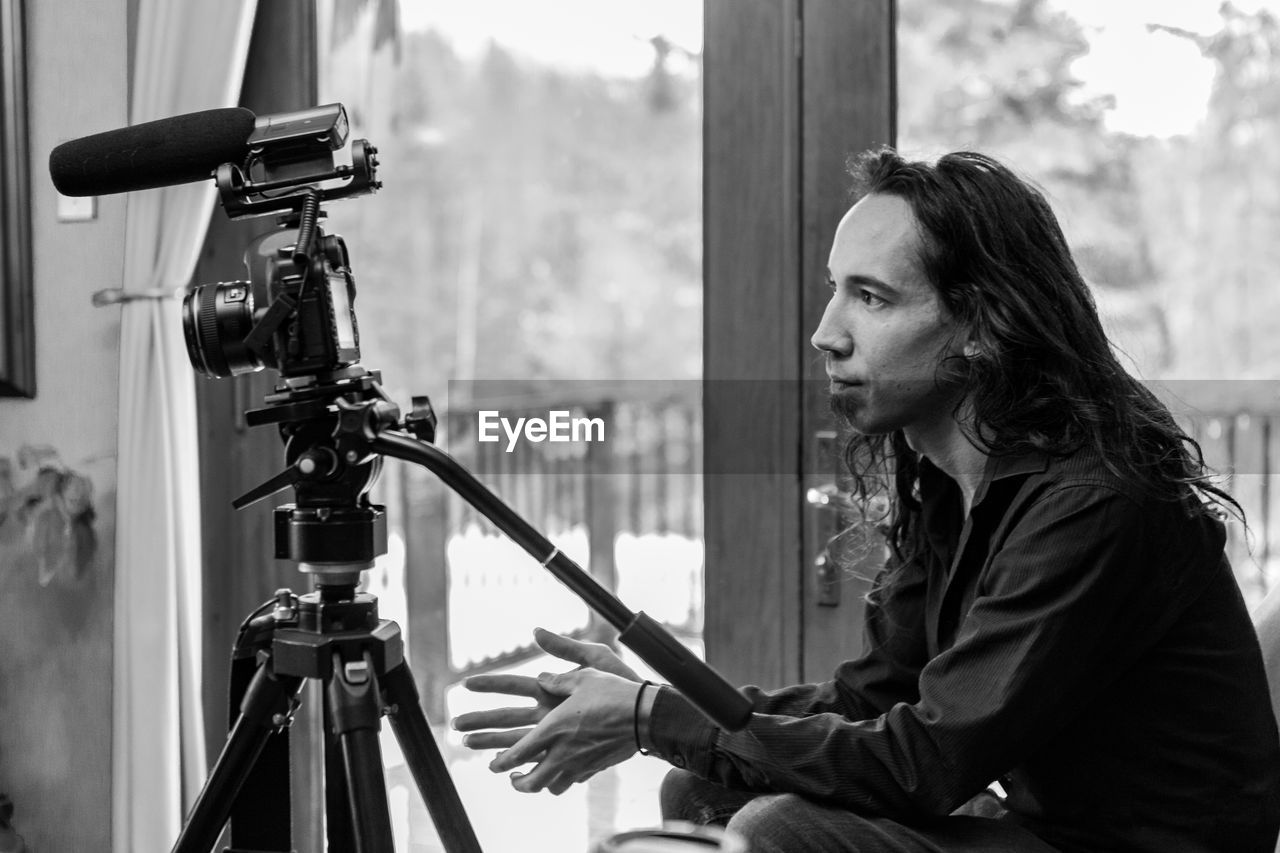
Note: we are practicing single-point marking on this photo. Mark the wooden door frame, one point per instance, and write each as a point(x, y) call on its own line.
point(791, 88)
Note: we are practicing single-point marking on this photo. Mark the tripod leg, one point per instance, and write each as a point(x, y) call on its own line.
point(267, 696)
point(339, 831)
point(355, 713)
point(425, 762)
point(260, 817)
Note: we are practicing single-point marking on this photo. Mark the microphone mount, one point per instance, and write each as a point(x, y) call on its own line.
point(291, 158)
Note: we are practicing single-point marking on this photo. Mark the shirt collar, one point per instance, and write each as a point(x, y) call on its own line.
point(1033, 462)
point(1004, 467)
point(1001, 467)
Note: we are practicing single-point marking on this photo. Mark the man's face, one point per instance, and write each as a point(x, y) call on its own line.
point(885, 330)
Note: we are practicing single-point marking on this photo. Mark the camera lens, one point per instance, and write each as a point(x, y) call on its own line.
point(216, 318)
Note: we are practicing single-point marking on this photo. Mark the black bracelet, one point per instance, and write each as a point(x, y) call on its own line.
point(635, 725)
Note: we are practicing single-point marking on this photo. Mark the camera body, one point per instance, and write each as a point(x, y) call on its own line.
point(320, 333)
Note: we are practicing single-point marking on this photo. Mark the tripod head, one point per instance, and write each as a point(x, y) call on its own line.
point(332, 530)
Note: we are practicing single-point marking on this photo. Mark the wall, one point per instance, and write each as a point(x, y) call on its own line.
point(58, 458)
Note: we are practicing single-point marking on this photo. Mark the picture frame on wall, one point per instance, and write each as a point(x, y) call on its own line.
point(17, 316)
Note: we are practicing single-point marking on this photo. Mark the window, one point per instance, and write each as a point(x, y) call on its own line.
point(536, 248)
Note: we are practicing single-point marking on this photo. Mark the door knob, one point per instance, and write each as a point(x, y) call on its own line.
point(830, 503)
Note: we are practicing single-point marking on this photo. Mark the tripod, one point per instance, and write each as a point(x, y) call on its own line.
point(337, 433)
point(332, 635)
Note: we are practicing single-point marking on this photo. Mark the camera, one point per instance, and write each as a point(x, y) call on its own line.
point(295, 312)
point(319, 335)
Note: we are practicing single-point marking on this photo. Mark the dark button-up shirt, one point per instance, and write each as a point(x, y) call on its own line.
point(1072, 637)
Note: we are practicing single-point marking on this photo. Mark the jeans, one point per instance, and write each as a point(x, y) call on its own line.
point(789, 823)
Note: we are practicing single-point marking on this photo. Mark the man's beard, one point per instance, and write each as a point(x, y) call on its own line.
point(869, 409)
point(843, 407)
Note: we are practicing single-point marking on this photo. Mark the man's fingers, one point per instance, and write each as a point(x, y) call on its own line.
point(560, 684)
point(560, 785)
point(567, 781)
point(494, 740)
point(533, 759)
point(565, 648)
point(514, 685)
point(497, 718)
point(527, 749)
point(536, 779)
point(596, 655)
point(555, 780)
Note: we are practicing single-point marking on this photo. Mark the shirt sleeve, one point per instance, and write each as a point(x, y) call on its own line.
point(889, 671)
point(1062, 608)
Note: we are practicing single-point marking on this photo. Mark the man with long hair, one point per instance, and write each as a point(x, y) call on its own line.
point(1056, 621)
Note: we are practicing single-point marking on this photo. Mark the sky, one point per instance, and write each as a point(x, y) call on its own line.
point(1161, 83)
point(610, 35)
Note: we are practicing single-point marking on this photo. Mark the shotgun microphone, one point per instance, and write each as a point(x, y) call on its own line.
point(159, 153)
point(191, 147)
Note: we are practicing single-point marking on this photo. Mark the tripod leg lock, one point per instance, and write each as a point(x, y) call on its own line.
point(354, 700)
point(271, 707)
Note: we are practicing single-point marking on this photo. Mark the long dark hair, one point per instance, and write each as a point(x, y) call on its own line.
point(1043, 375)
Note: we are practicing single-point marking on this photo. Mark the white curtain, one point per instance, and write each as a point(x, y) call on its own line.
point(188, 56)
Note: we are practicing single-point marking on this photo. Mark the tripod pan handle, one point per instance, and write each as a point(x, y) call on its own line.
point(701, 684)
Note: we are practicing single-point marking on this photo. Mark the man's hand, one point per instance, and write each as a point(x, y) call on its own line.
point(592, 728)
point(580, 723)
